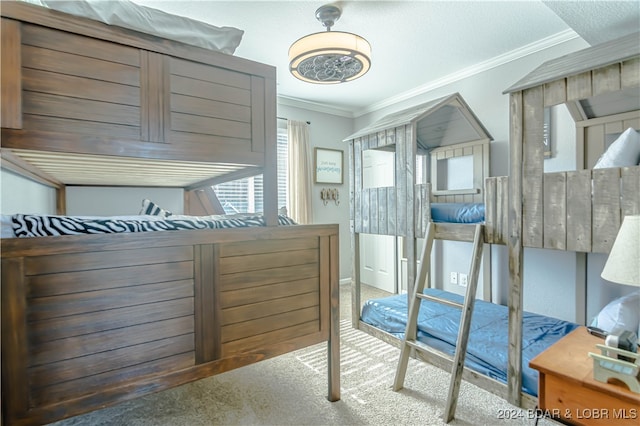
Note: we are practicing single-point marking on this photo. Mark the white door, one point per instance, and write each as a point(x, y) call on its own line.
point(378, 252)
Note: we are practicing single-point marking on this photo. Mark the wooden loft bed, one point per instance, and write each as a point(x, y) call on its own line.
point(89, 321)
point(445, 128)
point(578, 210)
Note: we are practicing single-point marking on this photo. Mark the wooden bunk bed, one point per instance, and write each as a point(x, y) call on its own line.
point(89, 321)
point(578, 210)
point(421, 138)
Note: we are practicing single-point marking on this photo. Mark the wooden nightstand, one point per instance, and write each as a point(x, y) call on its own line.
point(568, 392)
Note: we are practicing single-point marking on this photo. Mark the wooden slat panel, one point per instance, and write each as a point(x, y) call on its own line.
point(109, 340)
point(270, 338)
point(275, 275)
point(594, 145)
point(555, 211)
point(208, 73)
point(402, 190)
point(555, 92)
point(384, 210)
point(207, 305)
point(579, 86)
point(212, 91)
point(267, 324)
point(10, 80)
point(41, 36)
point(357, 185)
point(259, 293)
point(260, 141)
point(154, 95)
point(77, 303)
point(93, 322)
point(80, 109)
point(103, 259)
point(579, 211)
point(14, 338)
point(209, 126)
point(98, 382)
point(392, 211)
point(242, 248)
point(231, 265)
point(79, 87)
point(71, 369)
point(630, 190)
point(81, 127)
point(606, 80)
point(374, 210)
point(215, 143)
point(606, 208)
point(490, 212)
point(630, 73)
point(365, 199)
point(502, 205)
point(268, 308)
point(533, 156)
point(80, 66)
point(208, 108)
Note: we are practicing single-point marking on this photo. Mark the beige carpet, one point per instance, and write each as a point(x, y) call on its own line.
point(291, 390)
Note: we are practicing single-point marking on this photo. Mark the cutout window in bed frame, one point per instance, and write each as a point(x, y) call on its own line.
point(455, 173)
point(378, 168)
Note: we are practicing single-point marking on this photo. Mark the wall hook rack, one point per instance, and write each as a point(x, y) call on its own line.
point(330, 194)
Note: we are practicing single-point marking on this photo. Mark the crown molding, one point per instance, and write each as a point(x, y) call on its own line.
point(314, 106)
point(542, 44)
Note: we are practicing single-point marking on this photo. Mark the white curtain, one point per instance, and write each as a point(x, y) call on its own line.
point(300, 172)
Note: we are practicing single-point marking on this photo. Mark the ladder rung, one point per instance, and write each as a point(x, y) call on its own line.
point(439, 300)
point(419, 346)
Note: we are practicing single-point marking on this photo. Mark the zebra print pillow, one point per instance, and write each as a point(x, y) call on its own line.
point(151, 208)
point(25, 225)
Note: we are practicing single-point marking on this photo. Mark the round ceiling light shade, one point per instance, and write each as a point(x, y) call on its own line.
point(329, 57)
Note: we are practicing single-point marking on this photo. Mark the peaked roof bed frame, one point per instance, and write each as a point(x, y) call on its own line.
point(578, 210)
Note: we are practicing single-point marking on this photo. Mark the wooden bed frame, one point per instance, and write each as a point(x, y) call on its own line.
point(576, 210)
point(579, 210)
point(89, 321)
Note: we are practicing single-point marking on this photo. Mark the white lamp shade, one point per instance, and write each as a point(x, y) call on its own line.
point(623, 264)
point(329, 57)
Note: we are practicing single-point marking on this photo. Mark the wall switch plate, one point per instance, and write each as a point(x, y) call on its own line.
point(463, 280)
point(453, 278)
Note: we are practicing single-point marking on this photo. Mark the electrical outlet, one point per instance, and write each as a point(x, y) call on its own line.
point(463, 280)
point(453, 278)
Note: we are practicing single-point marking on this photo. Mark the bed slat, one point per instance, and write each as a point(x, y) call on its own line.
point(579, 211)
point(555, 211)
point(630, 203)
point(275, 275)
point(606, 208)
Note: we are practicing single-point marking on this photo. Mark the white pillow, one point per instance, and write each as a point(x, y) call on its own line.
point(620, 314)
point(623, 152)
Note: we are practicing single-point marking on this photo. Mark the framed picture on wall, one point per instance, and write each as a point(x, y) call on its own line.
point(328, 165)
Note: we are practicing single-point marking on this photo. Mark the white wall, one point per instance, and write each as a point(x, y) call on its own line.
point(20, 195)
point(107, 201)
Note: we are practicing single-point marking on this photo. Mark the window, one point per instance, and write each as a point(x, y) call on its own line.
point(245, 195)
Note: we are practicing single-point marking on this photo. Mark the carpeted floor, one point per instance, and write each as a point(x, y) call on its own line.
point(292, 389)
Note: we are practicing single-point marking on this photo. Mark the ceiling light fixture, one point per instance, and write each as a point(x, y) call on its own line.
point(329, 57)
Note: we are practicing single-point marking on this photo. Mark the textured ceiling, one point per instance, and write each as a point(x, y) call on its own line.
point(414, 43)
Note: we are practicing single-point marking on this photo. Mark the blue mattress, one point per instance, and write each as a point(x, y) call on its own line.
point(457, 212)
point(488, 340)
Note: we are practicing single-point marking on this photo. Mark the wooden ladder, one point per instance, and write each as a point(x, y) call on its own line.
point(449, 232)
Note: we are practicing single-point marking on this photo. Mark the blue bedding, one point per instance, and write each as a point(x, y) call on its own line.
point(488, 340)
point(457, 212)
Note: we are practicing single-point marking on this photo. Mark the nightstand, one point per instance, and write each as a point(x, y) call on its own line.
point(568, 392)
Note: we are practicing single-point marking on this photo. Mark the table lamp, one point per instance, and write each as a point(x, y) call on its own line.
point(623, 264)
point(622, 267)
